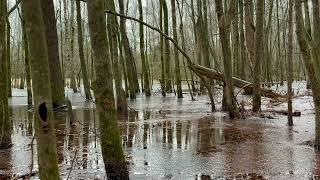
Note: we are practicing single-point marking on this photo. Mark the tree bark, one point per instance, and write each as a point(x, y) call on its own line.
point(115, 164)
point(85, 79)
point(142, 54)
point(122, 106)
point(256, 106)
point(290, 63)
point(5, 136)
point(224, 25)
point(167, 57)
point(176, 53)
point(57, 88)
point(311, 66)
point(41, 86)
point(128, 53)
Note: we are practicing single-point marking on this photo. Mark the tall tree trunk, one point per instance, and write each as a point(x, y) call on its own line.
point(41, 86)
point(308, 29)
point(8, 52)
point(167, 58)
point(256, 106)
point(5, 136)
point(311, 67)
point(142, 54)
point(224, 25)
point(290, 63)
point(113, 41)
point(115, 164)
point(176, 53)
point(85, 79)
point(128, 53)
point(71, 59)
point(243, 60)
point(249, 31)
point(49, 19)
point(163, 77)
point(26, 59)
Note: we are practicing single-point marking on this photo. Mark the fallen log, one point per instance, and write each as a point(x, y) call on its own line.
point(245, 85)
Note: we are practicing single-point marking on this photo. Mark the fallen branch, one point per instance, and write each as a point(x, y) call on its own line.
point(284, 112)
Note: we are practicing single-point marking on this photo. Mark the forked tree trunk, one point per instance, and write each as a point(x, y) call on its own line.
point(41, 86)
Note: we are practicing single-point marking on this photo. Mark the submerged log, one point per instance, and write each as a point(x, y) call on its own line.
point(245, 85)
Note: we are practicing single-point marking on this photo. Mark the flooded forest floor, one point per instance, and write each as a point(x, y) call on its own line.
point(167, 138)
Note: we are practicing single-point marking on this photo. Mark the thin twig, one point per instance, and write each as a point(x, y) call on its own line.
point(75, 155)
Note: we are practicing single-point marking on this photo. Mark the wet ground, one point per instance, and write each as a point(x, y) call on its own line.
point(166, 138)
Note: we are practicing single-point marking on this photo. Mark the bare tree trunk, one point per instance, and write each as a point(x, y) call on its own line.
point(113, 41)
point(176, 53)
point(81, 54)
point(57, 87)
point(5, 136)
point(290, 64)
point(249, 31)
point(145, 74)
point(8, 52)
point(311, 67)
point(163, 77)
point(115, 164)
point(73, 82)
point(128, 53)
point(41, 86)
point(224, 25)
point(256, 106)
point(26, 58)
point(167, 58)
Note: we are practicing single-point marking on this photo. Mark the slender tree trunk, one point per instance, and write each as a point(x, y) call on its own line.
point(5, 136)
point(9, 57)
point(71, 59)
point(249, 32)
point(243, 61)
point(290, 63)
point(258, 56)
point(113, 41)
point(163, 77)
point(176, 53)
point(308, 29)
point(115, 164)
point(49, 19)
point(167, 58)
point(142, 54)
point(26, 58)
point(41, 86)
point(86, 83)
point(128, 53)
